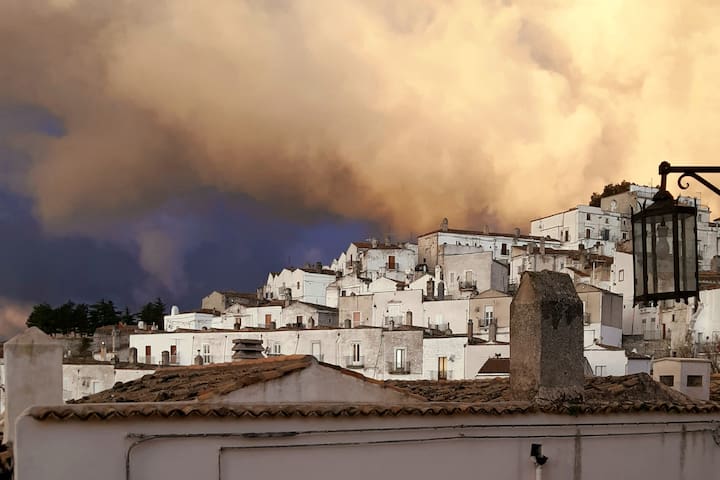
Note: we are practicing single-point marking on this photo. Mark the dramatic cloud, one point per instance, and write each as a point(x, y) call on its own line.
point(395, 112)
point(12, 317)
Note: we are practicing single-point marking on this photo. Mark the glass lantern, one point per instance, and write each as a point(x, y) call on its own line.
point(665, 251)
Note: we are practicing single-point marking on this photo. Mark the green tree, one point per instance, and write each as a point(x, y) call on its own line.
point(610, 189)
point(100, 314)
point(153, 312)
point(128, 318)
point(42, 317)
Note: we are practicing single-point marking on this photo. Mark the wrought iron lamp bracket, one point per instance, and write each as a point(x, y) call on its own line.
point(687, 171)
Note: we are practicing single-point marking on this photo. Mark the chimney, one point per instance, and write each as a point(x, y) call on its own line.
point(430, 288)
point(542, 246)
point(33, 375)
point(546, 339)
point(374, 242)
point(444, 225)
point(387, 241)
point(486, 229)
point(319, 266)
point(247, 349)
point(441, 290)
point(198, 359)
point(470, 331)
point(517, 232)
point(492, 331)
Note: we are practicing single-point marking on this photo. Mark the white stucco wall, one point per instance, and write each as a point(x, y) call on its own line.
point(454, 313)
point(605, 362)
point(585, 447)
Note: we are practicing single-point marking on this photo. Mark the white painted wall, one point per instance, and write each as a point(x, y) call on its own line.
point(606, 361)
point(453, 313)
point(191, 321)
point(583, 447)
point(451, 348)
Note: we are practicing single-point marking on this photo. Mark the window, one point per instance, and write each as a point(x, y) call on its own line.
point(587, 217)
point(148, 354)
point(668, 380)
point(606, 234)
point(356, 319)
point(567, 235)
point(276, 349)
point(442, 368)
point(587, 233)
point(343, 293)
point(621, 276)
point(207, 358)
point(606, 221)
point(391, 262)
point(173, 354)
point(298, 285)
point(489, 313)
point(694, 380)
point(624, 235)
point(356, 353)
point(600, 370)
point(400, 354)
point(299, 319)
point(503, 249)
point(268, 320)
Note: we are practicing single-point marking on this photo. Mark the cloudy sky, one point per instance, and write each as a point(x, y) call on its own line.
point(169, 148)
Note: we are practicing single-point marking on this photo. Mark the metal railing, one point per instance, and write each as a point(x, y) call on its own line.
point(354, 362)
point(401, 368)
point(468, 285)
point(441, 375)
point(442, 326)
point(395, 319)
point(391, 266)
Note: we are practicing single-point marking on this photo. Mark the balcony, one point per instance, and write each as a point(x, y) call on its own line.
point(391, 266)
point(468, 285)
point(441, 375)
point(441, 327)
point(395, 320)
point(398, 368)
point(355, 362)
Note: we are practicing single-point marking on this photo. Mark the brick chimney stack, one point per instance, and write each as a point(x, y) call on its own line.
point(546, 339)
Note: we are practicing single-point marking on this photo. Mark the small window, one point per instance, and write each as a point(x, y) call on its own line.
point(587, 217)
point(621, 276)
point(567, 235)
point(299, 319)
point(600, 370)
point(503, 249)
point(668, 380)
point(207, 358)
point(606, 221)
point(343, 293)
point(587, 233)
point(276, 349)
point(694, 380)
point(298, 285)
point(356, 352)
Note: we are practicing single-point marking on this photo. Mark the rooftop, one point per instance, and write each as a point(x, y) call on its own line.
point(487, 234)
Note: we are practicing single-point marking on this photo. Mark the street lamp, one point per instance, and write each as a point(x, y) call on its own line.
point(665, 242)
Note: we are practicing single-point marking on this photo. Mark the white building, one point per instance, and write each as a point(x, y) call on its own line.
point(373, 259)
point(471, 241)
point(201, 319)
point(584, 227)
point(307, 284)
point(607, 360)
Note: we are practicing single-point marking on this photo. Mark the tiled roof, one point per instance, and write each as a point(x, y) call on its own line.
point(379, 246)
point(715, 388)
point(200, 382)
point(638, 388)
point(496, 365)
point(489, 234)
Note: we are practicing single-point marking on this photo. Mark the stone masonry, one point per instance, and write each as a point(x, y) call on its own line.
point(546, 339)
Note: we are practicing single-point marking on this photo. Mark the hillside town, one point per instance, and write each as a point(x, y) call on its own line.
point(389, 322)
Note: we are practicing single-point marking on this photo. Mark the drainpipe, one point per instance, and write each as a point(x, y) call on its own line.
point(538, 459)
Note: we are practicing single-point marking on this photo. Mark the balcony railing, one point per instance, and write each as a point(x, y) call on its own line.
point(395, 319)
point(468, 285)
point(441, 375)
point(442, 326)
point(398, 368)
point(391, 266)
point(354, 362)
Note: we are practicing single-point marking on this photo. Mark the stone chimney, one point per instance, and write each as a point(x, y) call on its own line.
point(430, 288)
point(542, 246)
point(470, 331)
point(546, 339)
point(441, 290)
point(247, 349)
point(492, 331)
point(198, 360)
point(33, 375)
point(132, 356)
point(444, 225)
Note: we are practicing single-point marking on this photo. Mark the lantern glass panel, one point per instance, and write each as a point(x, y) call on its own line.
point(687, 235)
point(660, 254)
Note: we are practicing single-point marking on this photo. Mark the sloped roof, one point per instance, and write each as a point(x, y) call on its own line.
point(490, 293)
point(495, 365)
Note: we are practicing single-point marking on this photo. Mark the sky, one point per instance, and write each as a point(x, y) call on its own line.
point(168, 149)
